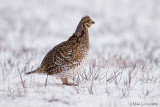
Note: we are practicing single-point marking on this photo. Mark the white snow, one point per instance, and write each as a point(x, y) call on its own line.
point(123, 67)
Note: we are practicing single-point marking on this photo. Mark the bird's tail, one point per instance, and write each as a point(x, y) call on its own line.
point(35, 71)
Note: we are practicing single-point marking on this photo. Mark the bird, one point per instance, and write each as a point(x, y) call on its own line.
point(67, 59)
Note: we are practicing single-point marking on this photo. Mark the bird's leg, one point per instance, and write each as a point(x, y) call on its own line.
point(65, 82)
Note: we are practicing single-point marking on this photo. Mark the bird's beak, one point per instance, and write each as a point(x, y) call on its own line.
point(93, 22)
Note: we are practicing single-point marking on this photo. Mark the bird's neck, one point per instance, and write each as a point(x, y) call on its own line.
point(81, 28)
point(81, 34)
point(84, 37)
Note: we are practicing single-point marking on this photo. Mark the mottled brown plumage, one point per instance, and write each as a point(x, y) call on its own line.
point(67, 58)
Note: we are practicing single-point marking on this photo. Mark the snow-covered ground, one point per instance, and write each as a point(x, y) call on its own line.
point(123, 67)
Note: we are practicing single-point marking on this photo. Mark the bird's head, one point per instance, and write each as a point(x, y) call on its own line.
point(86, 22)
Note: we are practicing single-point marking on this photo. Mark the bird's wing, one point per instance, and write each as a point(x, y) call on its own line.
point(61, 57)
point(66, 53)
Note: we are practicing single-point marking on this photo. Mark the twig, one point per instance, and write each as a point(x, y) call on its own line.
point(21, 78)
point(46, 81)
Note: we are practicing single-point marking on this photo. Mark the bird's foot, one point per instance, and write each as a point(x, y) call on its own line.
point(66, 82)
point(70, 84)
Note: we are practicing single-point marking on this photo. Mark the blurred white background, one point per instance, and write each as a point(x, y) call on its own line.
point(123, 27)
